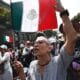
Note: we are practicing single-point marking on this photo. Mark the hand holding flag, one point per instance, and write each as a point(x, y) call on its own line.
point(59, 7)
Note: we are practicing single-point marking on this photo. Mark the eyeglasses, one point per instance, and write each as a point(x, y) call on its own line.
point(41, 42)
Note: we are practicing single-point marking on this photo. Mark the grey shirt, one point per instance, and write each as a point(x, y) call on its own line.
point(55, 70)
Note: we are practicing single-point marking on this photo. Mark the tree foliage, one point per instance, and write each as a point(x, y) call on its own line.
point(76, 22)
point(5, 16)
point(50, 33)
point(77, 17)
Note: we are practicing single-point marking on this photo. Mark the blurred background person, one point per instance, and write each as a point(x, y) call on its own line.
point(5, 66)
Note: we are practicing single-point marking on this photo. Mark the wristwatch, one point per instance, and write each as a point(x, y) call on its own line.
point(65, 12)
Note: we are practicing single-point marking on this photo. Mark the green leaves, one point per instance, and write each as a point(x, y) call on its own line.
point(5, 16)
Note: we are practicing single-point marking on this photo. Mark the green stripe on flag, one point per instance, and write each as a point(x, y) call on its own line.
point(16, 13)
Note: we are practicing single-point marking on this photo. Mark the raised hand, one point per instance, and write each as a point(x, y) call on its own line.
point(59, 6)
point(19, 69)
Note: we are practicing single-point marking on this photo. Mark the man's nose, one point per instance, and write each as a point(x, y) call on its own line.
point(35, 45)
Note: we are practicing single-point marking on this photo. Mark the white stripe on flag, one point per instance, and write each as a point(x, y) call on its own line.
point(30, 18)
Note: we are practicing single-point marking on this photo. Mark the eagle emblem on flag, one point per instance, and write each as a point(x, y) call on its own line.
point(32, 14)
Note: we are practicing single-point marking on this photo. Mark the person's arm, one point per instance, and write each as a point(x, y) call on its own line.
point(69, 31)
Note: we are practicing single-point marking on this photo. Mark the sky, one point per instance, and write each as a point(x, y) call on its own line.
point(72, 5)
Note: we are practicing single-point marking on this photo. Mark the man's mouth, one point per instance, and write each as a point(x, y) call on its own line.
point(36, 50)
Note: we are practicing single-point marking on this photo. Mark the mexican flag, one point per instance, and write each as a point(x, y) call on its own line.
point(8, 39)
point(33, 15)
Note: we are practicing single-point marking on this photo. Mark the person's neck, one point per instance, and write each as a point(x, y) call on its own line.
point(44, 60)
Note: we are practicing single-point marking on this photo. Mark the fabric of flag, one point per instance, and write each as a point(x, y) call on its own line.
point(7, 39)
point(35, 15)
point(16, 14)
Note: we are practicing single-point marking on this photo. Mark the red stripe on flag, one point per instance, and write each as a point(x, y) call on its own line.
point(10, 39)
point(47, 15)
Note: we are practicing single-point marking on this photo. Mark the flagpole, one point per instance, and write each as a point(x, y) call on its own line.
point(13, 34)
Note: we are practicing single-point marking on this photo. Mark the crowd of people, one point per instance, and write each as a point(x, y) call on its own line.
point(38, 60)
point(25, 54)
